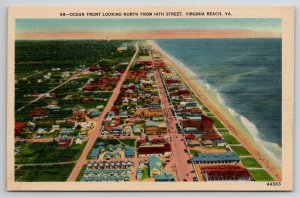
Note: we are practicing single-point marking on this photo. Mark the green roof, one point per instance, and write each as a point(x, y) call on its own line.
point(155, 162)
point(165, 177)
point(151, 123)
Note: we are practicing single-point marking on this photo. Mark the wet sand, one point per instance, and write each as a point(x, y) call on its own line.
point(253, 147)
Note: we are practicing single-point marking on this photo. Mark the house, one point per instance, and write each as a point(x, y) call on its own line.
point(123, 114)
point(118, 130)
point(129, 152)
point(40, 131)
point(66, 131)
point(79, 113)
point(155, 165)
point(226, 172)
point(190, 136)
point(55, 128)
point(158, 118)
point(96, 152)
point(213, 136)
point(165, 177)
point(111, 155)
point(46, 77)
point(64, 141)
point(121, 48)
point(88, 125)
point(154, 106)
point(160, 149)
point(78, 139)
point(54, 108)
point(143, 164)
point(172, 81)
point(192, 130)
point(207, 123)
point(66, 74)
point(211, 158)
point(193, 143)
point(38, 112)
point(137, 130)
point(128, 130)
point(19, 128)
point(155, 128)
point(203, 123)
point(31, 126)
point(139, 174)
point(94, 113)
point(183, 91)
point(220, 143)
point(110, 147)
point(151, 127)
point(100, 107)
point(110, 114)
point(118, 147)
point(207, 143)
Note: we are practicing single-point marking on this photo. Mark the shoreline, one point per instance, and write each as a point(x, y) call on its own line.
point(253, 147)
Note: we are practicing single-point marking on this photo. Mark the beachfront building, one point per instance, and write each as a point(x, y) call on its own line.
point(226, 173)
point(218, 158)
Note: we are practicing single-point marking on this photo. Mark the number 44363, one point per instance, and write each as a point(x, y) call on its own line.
point(275, 183)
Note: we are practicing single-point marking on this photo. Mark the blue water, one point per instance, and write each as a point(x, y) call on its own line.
point(246, 74)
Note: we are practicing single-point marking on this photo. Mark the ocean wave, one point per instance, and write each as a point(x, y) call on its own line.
point(273, 149)
point(232, 112)
point(219, 97)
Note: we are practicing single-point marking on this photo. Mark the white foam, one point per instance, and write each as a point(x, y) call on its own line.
point(232, 112)
point(273, 149)
point(219, 97)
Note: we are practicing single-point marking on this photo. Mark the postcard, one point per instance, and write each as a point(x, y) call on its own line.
point(150, 99)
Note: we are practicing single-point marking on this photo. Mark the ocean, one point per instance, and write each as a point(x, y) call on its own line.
point(244, 75)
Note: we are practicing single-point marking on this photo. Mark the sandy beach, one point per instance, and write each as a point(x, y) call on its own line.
point(253, 147)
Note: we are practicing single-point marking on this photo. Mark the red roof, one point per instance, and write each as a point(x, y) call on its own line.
point(141, 141)
point(154, 149)
point(172, 81)
point(65, 143)
point(19, 126)
point(192, 110)
point(157, 140)
point(226, 171)
point(88, 87)
point(211, 136)
point(190, 136)
point(38, 112)
point(183, 92)
point(87, 100)
point(94, 68)
point(146, 62)
point(160, 64)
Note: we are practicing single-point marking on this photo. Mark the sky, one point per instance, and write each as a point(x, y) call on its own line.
point(33, 29)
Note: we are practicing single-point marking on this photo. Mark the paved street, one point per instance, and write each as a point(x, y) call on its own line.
point(180, 157)
point(94, 133)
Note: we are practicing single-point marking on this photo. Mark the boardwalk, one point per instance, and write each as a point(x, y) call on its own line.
point(94, 133)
